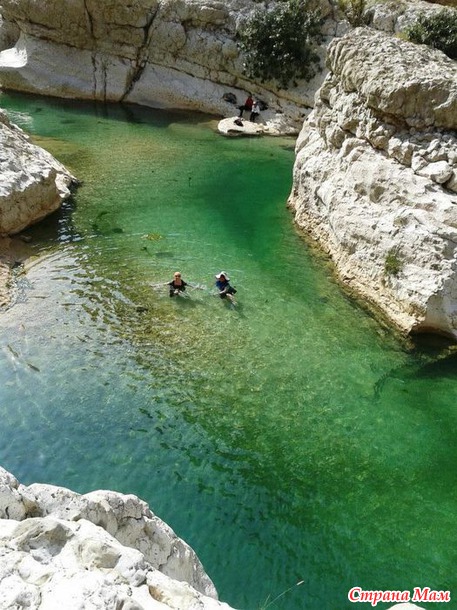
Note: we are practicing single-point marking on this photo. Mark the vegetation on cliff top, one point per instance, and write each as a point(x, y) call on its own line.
point(438, 31)
point(279, 43)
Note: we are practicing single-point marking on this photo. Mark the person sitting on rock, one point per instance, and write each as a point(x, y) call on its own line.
point(255, 111)
point(246, 106)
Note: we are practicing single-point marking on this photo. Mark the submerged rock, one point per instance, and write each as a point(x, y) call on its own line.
point(60, 549)
point(376, 173)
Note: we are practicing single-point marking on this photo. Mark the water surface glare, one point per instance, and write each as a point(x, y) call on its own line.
point(290, 438)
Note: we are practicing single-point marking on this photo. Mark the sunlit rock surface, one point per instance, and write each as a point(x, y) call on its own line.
point(60, 549)
point(375, 178)
point(159, 53)
point(394, 17)
point(33, 184)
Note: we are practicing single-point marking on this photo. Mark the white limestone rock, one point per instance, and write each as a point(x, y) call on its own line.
point(439, 172)
point(11, 503)
point(394, 17)
point(167, 53)
point(33, 183)
point(49, 564)
point(373, 175)
point(232, 127)
point(125, 518)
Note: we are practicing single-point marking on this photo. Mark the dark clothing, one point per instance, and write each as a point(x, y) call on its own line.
point(224, 288)
point(247, 106)
point(173, 287)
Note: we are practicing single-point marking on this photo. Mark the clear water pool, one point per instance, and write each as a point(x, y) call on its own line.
point(290, 438)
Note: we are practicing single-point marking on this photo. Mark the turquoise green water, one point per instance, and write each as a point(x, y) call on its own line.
point(290, 438)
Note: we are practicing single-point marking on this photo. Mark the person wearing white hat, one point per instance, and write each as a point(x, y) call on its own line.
point(223, 285)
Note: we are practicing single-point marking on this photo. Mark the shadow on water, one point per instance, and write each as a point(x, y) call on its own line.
point(113, 111)
point(58, 227)
point(433, 356)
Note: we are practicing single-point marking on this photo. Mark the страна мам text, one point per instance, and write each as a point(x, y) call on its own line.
point(419, 594)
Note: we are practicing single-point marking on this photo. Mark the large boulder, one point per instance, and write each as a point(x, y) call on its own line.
point(375, 178)
point(33, 183)
point(60, 549)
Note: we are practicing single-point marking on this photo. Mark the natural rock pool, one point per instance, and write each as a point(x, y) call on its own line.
point(291, 438)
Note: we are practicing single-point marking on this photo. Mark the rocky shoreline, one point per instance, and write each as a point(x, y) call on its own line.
point(375, 177)
point(103, 549)
point(61, 549)
point(33, 185)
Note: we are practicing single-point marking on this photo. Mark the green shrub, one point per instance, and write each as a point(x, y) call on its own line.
point(438, 31)
point(354, 11)
point(279, 43)
point(393, 264)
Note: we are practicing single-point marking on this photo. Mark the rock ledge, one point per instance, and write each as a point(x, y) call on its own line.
point(60, 549)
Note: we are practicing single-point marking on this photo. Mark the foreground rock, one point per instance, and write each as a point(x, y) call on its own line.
point(59, 549)
point(178, 54)
point(33, 184)
point(375, 178)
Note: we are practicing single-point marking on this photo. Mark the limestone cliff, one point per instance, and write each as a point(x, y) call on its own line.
point(395, 17)
point(375, 177)
point(159, 53)
point(60, 549)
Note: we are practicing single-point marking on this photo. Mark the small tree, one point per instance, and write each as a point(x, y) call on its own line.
point(279, 43)
point(438, 31)
point(354, 11)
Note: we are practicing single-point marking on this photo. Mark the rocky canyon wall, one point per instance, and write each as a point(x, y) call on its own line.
point(159, 53)
point(33, 183)
point(375, 179)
